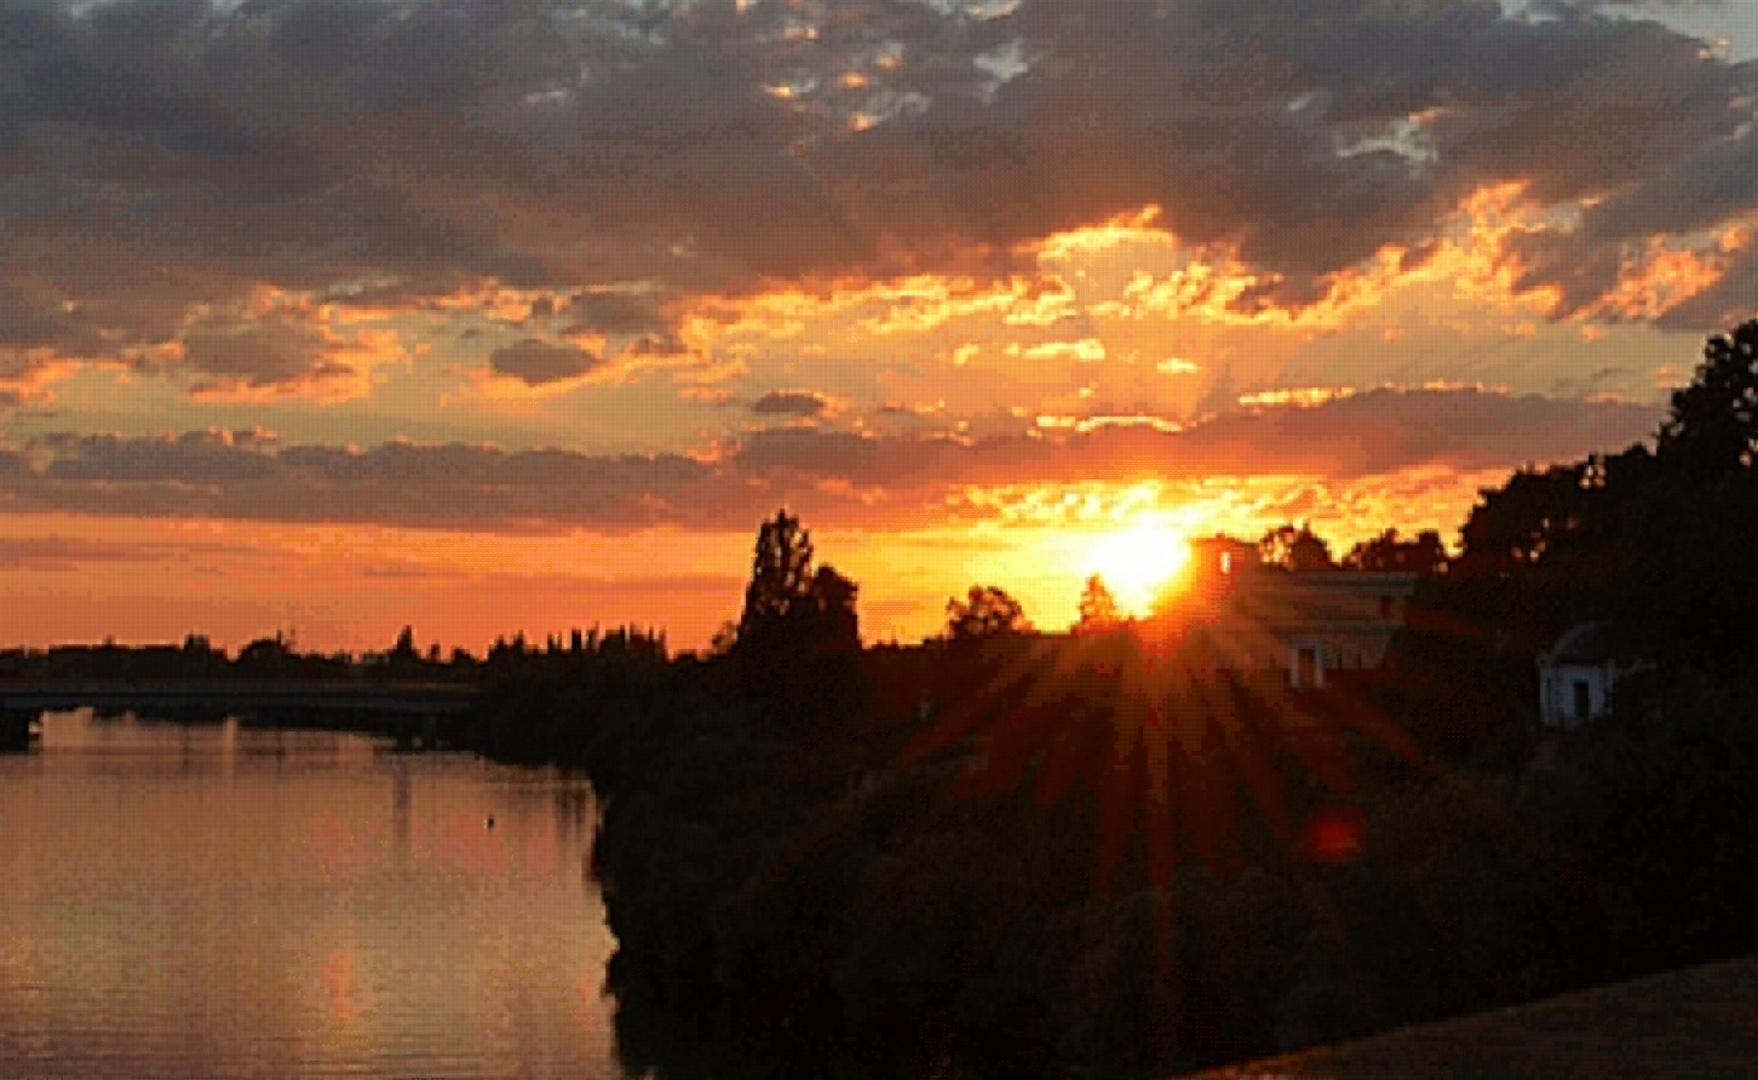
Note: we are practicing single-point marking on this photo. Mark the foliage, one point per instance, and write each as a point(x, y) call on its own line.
point(787, 602)
point(1461, 702)
point(807, 903)
point(798, 641)
point(809, 886)
point(1295, 549)
point(827, 861)
point(1712, 426)
point(986, 611)
point(1098, 607)
point(1513, 525)
point(1659, 805)
point(781, 573)
point(1671, 528)
point(1425, 555)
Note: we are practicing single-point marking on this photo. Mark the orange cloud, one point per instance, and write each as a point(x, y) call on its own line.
point(28, 376)
point(1215, 286)
point(499, 302)
point(1077, 244)
point(1086, 350)
point(707, 395)
point(338, 368)
point(1297, 396)
point(1085, 424)
point(1660, 278)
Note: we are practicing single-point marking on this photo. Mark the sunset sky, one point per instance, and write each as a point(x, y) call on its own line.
point(501, 315)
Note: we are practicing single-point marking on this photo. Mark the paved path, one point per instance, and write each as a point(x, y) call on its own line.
point(1701, 1022)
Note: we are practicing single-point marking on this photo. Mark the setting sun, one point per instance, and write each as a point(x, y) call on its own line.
point(1138, 561)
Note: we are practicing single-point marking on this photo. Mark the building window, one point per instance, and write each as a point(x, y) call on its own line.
point(1583, 700)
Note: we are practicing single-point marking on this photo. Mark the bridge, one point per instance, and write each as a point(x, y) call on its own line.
point(424, 714)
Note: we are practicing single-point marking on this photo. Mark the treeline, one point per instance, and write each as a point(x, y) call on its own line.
point(278, 657)
point(961, 858)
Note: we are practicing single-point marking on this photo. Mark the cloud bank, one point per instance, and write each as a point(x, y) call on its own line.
point(837, 478)
point(162, 159)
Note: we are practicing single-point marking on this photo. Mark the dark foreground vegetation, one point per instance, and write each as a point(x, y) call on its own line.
point(1001, 854)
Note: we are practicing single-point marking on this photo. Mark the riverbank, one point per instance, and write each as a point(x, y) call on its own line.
point(909, 862)
point(953, 859)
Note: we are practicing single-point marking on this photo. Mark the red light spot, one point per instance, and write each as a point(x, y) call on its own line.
point(1334, 834)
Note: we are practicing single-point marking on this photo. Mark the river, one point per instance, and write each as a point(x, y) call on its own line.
point(213, 901)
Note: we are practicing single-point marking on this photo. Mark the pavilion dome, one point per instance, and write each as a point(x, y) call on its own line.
point(1591, 643)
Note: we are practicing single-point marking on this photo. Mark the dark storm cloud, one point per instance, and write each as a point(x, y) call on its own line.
point(801, 403)
point(615, 313)
point(159, 153)
point(263, 356)
point(23, 323)
point(1382, 431)
point(1378, 433)
point(1311, 134)
point(197, 458)
point(220, 475)
point(837, 476)
point(535, 362)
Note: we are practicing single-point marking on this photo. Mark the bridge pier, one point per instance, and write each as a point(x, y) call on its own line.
point(15, 728)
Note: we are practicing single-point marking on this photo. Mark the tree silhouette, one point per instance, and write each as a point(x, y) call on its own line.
point(1659, 543)
point(265, 655)
point(796, 648)
point(833, 603)
point(781, 573)
point(986, 612)
point(1514, 525)
point(1712, 427)
point(1098, 607)
point(1295, 549)
point(788, 604)
point(1425, 555)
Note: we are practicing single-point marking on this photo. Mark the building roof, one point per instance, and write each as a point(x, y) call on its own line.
point(1389, 582)
point(1590, 643)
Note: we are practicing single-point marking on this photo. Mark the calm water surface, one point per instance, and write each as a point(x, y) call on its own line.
point(214, 902)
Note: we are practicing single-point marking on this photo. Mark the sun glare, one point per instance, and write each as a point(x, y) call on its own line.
point(1137, 562)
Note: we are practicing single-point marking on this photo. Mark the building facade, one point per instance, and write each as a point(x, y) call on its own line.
point(1577, 675)
point(1256, 618)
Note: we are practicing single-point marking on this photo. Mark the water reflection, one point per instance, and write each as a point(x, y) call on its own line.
point(400, 800)
point(211, 900)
